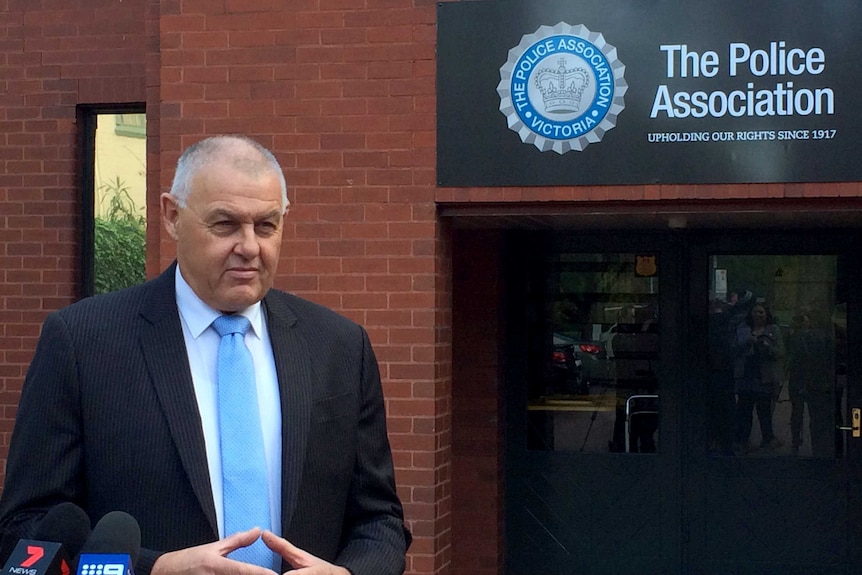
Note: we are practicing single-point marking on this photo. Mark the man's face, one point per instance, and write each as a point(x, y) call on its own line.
point(228, 235)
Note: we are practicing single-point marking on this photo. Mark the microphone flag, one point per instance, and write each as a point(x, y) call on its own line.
point(32, 557)
point(113, 547)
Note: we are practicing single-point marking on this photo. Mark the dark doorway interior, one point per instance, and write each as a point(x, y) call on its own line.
point(646, 430)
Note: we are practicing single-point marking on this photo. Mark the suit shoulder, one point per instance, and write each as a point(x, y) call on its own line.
point(117, 306)
point(301, 310)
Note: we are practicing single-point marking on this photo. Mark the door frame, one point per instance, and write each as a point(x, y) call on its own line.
point(647, 539)
point(681, 464)
point(698, 468)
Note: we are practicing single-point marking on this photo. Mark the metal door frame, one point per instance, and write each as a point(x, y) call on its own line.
point(695, 463)
point(681, 462)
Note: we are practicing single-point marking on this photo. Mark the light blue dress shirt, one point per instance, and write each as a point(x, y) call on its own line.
point(202, 344)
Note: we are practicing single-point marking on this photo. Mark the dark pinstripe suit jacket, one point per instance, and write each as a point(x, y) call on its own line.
point(108, 420)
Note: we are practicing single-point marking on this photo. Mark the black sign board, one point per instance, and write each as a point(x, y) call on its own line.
point(602, 92)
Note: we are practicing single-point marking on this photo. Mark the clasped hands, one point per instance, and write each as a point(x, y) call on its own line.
point(211, 558)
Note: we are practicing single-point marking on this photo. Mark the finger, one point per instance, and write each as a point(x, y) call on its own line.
point(278, 544)
point(293, 554)
point(208, 558)
point(228, 566)
point(237, 540)
point(240, 568)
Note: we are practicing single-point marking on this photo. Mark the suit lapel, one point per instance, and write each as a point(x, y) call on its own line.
point(292, 364)
point(164, 347)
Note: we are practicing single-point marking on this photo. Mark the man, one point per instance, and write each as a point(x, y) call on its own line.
point(118, 410)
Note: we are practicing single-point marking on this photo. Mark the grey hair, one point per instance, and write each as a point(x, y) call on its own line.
point(216, 148)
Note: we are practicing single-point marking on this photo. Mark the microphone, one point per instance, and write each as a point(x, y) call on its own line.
point(68, 524)
point(113, 547)
point(8, 541)
point(59, 535)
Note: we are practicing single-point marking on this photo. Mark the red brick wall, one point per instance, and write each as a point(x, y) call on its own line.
point(477, 404)
point(54, 54)
point(343, 92)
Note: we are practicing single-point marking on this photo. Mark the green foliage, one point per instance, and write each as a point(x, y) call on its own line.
point(121, 206)
point(120, 241)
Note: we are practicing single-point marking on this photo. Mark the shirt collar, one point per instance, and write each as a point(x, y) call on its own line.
point(199, 316)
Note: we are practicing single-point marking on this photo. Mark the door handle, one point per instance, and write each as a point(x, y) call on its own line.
point(855, 426)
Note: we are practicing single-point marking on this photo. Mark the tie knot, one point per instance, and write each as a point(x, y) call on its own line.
point(228, 324)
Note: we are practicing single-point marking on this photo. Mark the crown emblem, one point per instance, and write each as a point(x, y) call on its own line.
point(562, 88)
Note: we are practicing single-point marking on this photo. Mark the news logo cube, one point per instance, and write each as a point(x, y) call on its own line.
point(37, 558)
point(104, 564)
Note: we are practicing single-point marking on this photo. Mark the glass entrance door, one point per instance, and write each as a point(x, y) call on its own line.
point(770, 449)
point(777, 356)
point(684, 403)
point(597, 390)
point(593, 477)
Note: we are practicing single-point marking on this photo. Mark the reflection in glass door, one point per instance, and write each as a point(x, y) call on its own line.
point(754, 469)
point(592, 458)
point(777, 356)
point(768, 457)
point(595, 388)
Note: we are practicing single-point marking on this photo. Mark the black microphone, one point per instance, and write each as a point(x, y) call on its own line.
point(65, 523)
point(59, 535)
point(8, 540)
point(113, 547)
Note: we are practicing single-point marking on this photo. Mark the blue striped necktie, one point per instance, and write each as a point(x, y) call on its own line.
point(246, 495)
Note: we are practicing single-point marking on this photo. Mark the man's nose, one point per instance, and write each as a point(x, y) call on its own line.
point(248, 244)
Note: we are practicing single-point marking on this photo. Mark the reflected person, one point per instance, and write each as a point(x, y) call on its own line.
point(759, 351)
point(721, 400)
point(811, 378)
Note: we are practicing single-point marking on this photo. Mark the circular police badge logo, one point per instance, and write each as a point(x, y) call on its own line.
point(562, 88)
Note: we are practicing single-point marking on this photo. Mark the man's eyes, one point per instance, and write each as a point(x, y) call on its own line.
point(228, 227)
point(265, 228)
point(224, 226)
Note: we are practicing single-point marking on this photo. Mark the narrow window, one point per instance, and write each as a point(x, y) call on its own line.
point(113, 203)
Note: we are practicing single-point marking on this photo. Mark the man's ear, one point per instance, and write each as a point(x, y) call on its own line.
point(170, 212)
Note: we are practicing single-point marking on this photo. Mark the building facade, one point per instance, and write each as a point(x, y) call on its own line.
point(544, 417)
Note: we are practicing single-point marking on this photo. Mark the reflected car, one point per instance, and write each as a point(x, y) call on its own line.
point(567, 367)
point(597, 368)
